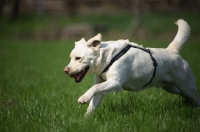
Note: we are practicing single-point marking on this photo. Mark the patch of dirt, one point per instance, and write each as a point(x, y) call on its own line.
point(8, 102)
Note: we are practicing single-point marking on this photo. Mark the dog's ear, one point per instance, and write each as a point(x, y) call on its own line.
point(80, 42)
point(95, 42)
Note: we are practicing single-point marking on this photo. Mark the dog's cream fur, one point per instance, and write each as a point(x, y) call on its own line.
point(134, 69)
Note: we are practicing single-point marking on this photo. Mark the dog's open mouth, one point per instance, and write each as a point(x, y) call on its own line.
point(80, 75)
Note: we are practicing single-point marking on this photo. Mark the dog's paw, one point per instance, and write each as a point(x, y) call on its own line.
point(83, 99)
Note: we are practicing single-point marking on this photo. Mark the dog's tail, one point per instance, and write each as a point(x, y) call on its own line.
point(181, 36)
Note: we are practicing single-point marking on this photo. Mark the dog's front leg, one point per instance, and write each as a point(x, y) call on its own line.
point(94, 103)
point(96, 99)
point(110, 85)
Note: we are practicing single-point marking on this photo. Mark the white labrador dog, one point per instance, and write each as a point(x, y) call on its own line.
point(123, 65)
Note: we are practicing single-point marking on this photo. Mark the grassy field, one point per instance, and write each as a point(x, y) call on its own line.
point(35, 94)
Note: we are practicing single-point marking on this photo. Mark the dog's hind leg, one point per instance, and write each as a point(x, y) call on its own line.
point(190, 94)
point(174, 90)
point(185, 82)
point(171, 89)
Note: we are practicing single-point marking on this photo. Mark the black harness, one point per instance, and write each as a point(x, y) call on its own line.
point(124, 51)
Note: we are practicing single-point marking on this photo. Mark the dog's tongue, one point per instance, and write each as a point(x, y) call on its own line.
point(78, 76)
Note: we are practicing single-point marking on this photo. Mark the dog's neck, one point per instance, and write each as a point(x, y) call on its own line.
point(107, 51)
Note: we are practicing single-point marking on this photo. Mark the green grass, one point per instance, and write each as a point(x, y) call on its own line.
point(37, 96)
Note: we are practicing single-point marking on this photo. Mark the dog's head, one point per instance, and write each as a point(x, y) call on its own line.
point(83, 58)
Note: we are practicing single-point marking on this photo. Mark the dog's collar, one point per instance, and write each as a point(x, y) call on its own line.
point(121, 53)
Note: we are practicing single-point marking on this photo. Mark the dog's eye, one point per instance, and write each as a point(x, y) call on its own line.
point(77, 58)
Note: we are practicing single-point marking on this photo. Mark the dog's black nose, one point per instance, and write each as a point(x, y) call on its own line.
point(66, 70)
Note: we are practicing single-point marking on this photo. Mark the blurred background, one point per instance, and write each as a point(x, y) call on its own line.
point(115, 19)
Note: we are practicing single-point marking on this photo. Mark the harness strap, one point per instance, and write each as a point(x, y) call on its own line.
point(121, 53)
